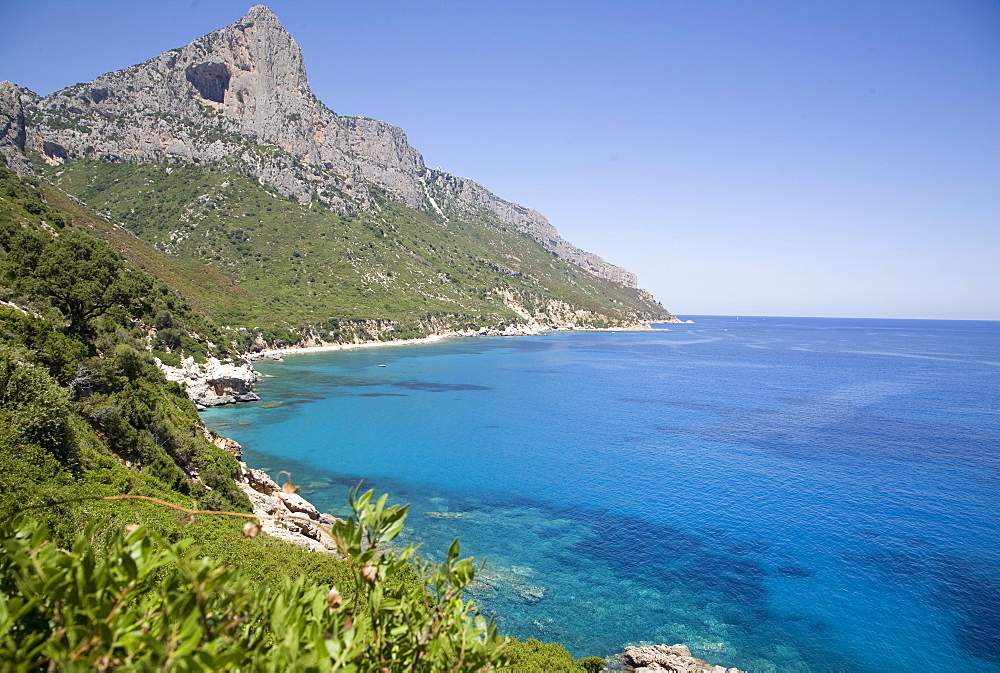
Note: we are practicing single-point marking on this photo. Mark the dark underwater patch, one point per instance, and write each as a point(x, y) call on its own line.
point(571, 561)
point(716, 409)
point(667, 557)
point(831, 428)
point(438, 387)
point(350, 381)
point(381, 395)
point(617, 539)
point(660, 556)
point(795, 571)
point(714, 574)
point(809, 624)
point(972, 591)
point(889, 562)
point(750, 547)
point(726, 566)
point(317, 384)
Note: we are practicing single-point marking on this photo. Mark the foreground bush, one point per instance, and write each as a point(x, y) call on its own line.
point(142, 603)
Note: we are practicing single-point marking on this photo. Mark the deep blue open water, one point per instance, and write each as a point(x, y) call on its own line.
point(780, 494)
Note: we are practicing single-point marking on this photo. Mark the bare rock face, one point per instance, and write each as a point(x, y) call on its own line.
point(451, 192)
point(13, 126)
point(224, 443)
point(261, 482)
point(296, 503)
point(240, 95)
point(676, 658)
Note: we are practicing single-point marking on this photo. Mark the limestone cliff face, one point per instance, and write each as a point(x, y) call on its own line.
point(13, 127)
point(241, 95)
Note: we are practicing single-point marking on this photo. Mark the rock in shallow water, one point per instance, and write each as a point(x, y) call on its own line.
point(676, 658)
point(508, 584)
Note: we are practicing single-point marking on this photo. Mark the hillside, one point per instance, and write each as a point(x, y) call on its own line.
point(114, 554)
point(218, 154)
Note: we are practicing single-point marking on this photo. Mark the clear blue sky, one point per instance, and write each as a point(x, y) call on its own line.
point(773, 157)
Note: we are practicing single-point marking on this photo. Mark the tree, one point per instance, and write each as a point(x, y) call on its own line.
point(80, 276)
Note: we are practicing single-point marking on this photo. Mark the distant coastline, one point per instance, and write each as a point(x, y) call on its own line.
point(274, 353)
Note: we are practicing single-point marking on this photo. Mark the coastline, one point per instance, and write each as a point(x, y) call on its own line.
point(274, 353)
point(325, 348)
point(293, 519)
point(216, 383)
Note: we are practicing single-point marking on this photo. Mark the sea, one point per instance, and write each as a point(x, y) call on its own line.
point(779, 494)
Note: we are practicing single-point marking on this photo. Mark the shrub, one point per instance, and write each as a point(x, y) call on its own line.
point(33, 408)
point(591, 664)
point(143, 603)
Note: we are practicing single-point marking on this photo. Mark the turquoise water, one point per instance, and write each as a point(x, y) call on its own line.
point(780, 494)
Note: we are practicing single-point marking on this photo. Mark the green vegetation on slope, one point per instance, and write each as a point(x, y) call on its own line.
point(79, 395)
point(308, 266)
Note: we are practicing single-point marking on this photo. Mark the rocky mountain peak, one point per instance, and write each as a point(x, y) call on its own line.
point(261, 14)
point(240, 95)
point(251, 70)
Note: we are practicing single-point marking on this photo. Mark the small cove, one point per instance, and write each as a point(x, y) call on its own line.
point(779, 494)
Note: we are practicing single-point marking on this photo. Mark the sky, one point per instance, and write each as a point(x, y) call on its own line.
point(743, 157)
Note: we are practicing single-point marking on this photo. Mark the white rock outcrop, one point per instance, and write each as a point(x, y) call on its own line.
point(213, 383)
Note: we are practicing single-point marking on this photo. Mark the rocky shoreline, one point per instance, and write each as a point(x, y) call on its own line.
point(299, 522)
point(654, 658)
point(282, 512)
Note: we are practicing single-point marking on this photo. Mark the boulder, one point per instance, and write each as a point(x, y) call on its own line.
point(261, 482)
point(296, 503)
point(675, 658)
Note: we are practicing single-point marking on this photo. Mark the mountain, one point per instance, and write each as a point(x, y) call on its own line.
point(218, 152)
